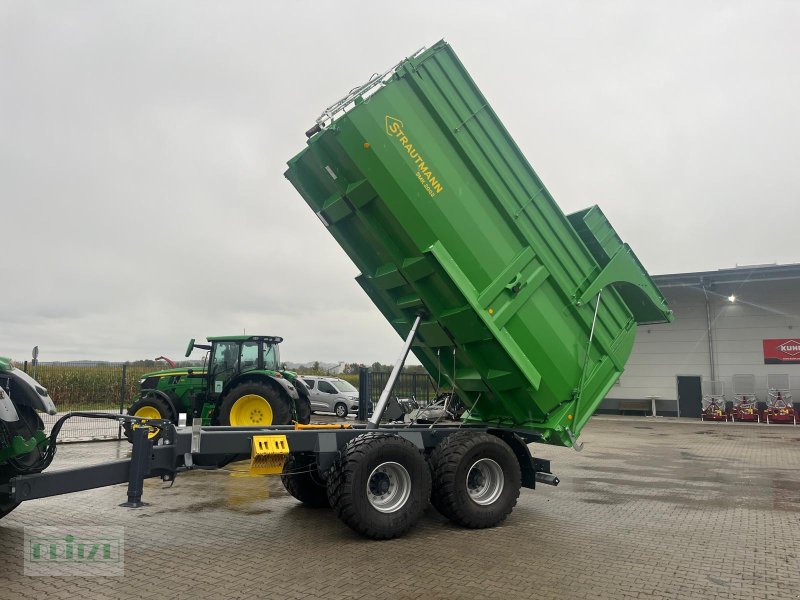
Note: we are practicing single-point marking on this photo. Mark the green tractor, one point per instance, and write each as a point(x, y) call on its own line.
point(22, 437)
point(241, 384)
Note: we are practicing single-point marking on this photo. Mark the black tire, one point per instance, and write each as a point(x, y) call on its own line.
point(149, 401)
point(281, 410)
point(464, 464)
point(6, 505)
point(28, 424)
point(355, 476)
point(302, 479)
point(341, 410)
point(303, 410)
point(303, 404)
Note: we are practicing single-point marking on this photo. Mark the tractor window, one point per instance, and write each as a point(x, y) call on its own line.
point(326, 387)
point(249, 356)
point(271, 357)
point(226, 354)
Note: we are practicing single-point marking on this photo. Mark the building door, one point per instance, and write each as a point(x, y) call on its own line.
point(690, 396)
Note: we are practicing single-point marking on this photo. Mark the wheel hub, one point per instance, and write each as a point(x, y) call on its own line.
point(251, 409)
point(388, 487)
point(485, 481)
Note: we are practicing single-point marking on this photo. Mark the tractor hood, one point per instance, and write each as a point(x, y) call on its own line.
point(175, 371)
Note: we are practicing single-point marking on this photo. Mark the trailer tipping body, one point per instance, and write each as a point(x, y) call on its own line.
point(528, 313)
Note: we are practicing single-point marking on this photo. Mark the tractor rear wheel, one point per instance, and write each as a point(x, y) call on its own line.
point(379, 485)
point(148, 407)
point(303, 403)
point(254, 403)
point(302, 480)
point(476, 479)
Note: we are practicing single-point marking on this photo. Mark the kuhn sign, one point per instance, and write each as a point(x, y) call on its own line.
point(781, 351)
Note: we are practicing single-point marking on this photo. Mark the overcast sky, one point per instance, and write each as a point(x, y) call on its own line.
point(143, 145)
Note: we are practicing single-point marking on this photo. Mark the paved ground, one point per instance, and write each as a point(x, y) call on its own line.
point(652, 508)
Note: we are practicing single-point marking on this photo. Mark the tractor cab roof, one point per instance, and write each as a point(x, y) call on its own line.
point(270, 339)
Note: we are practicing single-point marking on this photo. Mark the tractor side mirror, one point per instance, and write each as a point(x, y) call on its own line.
point(190, 347)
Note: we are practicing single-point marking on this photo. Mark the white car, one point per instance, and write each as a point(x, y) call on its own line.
point(331, 394)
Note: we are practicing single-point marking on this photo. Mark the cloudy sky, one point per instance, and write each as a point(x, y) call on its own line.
point(143, 144)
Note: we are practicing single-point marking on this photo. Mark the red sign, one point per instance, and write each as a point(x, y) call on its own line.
point(781, 351)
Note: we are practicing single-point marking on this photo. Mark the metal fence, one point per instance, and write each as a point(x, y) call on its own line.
point(109, 387)
point(88, 387)
point(420, 386)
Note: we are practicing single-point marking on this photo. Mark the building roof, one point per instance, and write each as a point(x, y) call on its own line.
point(743, 274)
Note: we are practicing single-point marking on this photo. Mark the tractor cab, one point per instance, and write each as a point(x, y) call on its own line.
point(241, 384)
point(231, 356)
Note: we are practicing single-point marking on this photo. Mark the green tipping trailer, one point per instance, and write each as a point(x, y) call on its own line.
point(420, 183)
point(529, 314)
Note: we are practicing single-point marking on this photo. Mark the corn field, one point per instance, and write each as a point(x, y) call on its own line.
point(103, 387)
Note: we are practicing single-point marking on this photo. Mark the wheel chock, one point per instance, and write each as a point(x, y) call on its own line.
point(269, 454)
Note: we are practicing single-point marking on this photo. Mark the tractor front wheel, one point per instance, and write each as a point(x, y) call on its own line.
point(253, 403)
point(28, 424)
point(149, 407)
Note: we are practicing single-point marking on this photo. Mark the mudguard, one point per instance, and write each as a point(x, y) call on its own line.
point(7, 411)
point(287, 386)
point(25, 391)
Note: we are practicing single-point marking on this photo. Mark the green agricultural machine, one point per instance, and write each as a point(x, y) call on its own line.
point(240, 384)
point(528, 314)
point(22, 437)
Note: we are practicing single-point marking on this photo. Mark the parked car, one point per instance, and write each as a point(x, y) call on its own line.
point(331, 394)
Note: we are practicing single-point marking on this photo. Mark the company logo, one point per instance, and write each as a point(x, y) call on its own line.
point(425, 175)
point(789, 347)
point(84, 551)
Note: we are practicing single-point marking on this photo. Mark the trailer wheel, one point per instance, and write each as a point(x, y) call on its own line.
point(302, 480)
point(379, 485)
point(149, 407)
point(254, 403)
point(476, 479)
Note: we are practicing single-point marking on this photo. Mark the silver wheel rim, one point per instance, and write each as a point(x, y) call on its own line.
point(341, 410)
point(485, 482)
point(388, 487)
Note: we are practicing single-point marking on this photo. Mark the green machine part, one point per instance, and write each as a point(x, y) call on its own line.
point(529, 314)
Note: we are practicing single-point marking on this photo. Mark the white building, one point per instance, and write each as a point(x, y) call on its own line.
point(729, 322)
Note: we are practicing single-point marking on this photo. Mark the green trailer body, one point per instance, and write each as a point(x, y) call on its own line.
point(529, 314)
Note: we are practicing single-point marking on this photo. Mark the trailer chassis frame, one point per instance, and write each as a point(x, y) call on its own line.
point(198, 447)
